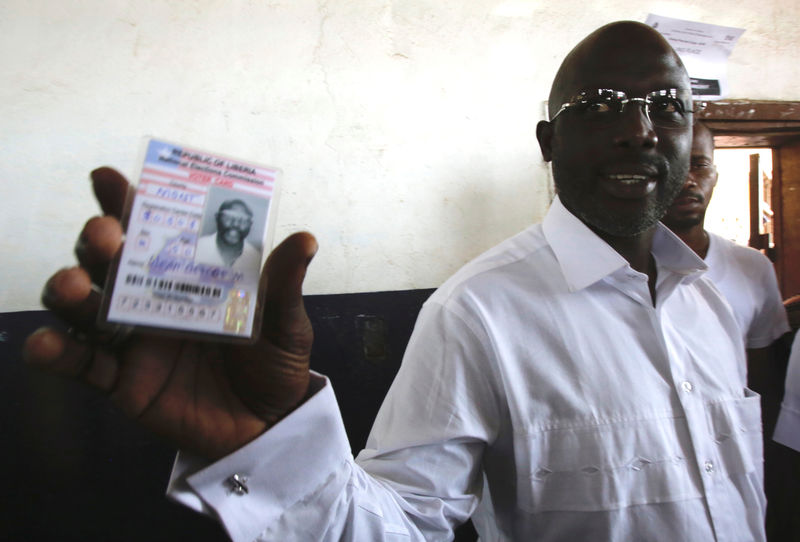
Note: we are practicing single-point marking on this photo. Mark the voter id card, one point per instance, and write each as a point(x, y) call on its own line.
point(197, 229)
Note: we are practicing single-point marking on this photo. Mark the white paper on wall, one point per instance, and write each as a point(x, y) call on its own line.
point(704, 49)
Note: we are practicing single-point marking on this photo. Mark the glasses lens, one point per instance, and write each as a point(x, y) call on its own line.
point(601, 104)
point(666, 110)
point(232, 219)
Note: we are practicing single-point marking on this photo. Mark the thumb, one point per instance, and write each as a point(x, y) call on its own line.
point(283, 274)
point(272, 377)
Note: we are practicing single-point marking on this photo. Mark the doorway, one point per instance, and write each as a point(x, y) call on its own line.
point(771, 131)
point(728, 214)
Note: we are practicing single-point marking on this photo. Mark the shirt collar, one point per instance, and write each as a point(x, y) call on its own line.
point(585, 258)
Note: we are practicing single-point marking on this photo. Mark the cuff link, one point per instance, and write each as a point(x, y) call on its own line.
point(237, 484)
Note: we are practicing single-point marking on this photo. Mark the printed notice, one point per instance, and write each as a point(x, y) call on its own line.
point(704, 49)
point(198, 230)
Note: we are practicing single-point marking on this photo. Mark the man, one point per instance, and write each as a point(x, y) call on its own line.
point(745, 277)
point(549, 390)
point(228, 246)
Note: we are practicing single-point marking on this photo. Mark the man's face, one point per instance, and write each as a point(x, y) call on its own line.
point(689, 208)
point(233, 225)
point(619, 177)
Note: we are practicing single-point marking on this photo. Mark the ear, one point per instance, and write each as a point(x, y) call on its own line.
point(544, 133)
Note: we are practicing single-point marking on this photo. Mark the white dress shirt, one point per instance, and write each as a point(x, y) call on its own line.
point(787, 430)
point(747, 280)
point(542, 394)
point(248, 262)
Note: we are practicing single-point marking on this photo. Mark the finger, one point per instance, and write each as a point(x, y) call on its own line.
point(110, 189)
point(144, 378)
point(70, 295)
point(60, 353)
point(283, 274)
point(97, 244)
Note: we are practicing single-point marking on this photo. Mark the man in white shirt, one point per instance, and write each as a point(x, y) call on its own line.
point(745, 276)
point(228, 246)
point(551, 389)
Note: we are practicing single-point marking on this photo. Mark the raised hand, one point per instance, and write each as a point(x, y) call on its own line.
point(207, 398)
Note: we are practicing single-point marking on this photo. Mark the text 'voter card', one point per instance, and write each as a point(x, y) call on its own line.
point(198, 229)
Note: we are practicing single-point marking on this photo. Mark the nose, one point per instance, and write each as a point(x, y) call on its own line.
point(635, 128)
point(689, 184)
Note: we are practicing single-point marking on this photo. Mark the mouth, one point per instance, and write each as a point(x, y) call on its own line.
point(686, 199)
point(232, 235)
point(625, 185)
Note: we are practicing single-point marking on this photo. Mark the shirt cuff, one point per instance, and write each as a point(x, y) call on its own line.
point(281, 467)
point(787, 430)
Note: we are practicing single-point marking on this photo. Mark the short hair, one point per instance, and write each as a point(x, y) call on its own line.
point(229, 204)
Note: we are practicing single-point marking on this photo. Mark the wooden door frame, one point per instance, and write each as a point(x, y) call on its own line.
point(751, 123)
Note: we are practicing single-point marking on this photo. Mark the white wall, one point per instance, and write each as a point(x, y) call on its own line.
point(406, 129)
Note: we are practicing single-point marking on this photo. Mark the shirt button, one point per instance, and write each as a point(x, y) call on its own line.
point(687, 386)
point(709, 466)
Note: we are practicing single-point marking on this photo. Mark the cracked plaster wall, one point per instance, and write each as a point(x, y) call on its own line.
point(405, 129)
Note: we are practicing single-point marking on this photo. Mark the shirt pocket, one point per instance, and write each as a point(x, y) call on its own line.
point(606, 466)
point(737, 431)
